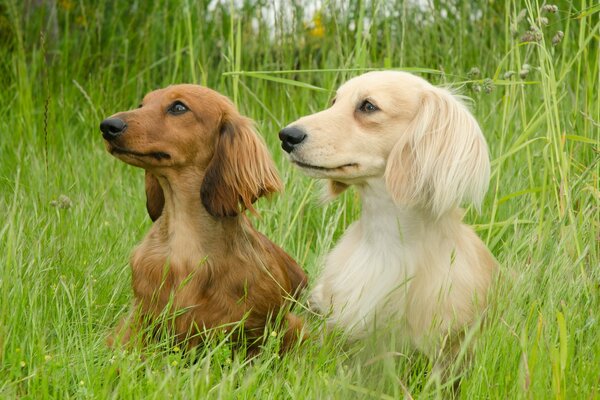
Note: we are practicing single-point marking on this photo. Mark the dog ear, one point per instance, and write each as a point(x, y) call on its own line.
point(155, 198)
point(442, 158)
point(240, 171)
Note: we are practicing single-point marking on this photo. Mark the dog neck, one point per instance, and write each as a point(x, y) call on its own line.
point(383, 218)
point(186, 224)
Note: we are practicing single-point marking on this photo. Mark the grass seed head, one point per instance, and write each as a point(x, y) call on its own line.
point(488, 85)
point(532, 35)
point(509, 74)
point(558, 37)
point(474, 73)
point(62, 202)
point(524, 71)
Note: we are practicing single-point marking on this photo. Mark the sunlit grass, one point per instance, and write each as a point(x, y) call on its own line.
point(64, 275)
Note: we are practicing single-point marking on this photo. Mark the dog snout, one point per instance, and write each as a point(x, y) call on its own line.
point(112, 128)
point(291, 137)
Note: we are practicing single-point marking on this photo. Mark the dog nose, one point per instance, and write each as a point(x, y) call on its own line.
point(112, 128)
point(291, 137)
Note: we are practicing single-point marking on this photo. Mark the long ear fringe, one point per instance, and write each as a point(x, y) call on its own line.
point(240, 172)
point(442, 159)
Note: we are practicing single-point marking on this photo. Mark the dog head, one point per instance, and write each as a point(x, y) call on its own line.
point(188, 127)
point(420, 138)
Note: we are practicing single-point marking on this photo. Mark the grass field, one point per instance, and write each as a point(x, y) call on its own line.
point(64, 275)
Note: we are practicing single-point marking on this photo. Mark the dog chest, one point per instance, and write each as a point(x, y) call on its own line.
point(367, 273)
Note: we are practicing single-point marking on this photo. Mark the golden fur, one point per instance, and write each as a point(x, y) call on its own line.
point(202, 264)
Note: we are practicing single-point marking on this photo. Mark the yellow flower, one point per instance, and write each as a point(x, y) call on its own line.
point(23, 364)
point(176, 349)
point(174, 363)
point(66, 5)
point(317, 30)
point(81, 21)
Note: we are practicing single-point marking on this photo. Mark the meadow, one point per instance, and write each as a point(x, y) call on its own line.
point(70, 213)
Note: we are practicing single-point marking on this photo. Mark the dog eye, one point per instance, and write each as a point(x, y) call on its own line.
point(368, 107)
point(177, 108)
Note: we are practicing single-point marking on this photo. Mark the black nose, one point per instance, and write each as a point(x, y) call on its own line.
point(112, 128)
point(291, 137)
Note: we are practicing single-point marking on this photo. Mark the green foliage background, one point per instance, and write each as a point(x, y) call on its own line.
point(64, 279)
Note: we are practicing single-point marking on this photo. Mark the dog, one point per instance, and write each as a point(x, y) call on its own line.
point(202, 266)
point(414, 153)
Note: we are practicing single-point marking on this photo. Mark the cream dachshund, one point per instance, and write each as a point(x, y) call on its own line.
point(415, 154)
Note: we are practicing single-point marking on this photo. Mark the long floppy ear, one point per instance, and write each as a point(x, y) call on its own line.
point(442, 159)
point(240, 171)
point(155, 198)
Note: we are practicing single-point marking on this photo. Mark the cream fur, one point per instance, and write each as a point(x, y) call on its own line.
point(408, 262)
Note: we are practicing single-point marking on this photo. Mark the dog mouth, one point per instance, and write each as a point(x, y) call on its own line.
point(325, 169)
point(158, 155)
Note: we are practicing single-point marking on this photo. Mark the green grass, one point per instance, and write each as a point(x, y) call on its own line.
point(64, 275)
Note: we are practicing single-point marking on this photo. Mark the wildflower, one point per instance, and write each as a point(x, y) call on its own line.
point(474, 73)
point(557, 38)
point(274, 334)
point(66, 5)
point(81, 383)
point(176, 349)
point(317, 30)
point(47, 357)
point(551, 8)
point(22, 364)
point(174, 363)
point(81, 21)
